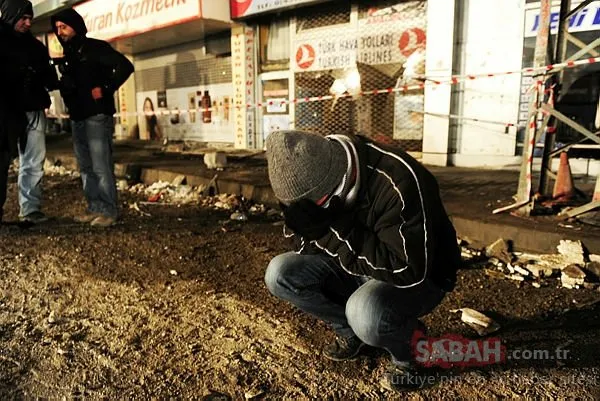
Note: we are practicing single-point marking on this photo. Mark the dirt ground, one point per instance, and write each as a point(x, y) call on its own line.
point(174, 305)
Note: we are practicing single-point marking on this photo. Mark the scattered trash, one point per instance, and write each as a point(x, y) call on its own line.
point(253, 393)
point(173, 272)
point(593, 270)
point(178, 180)
point(238, 216)
point(481, 323)
point(134, 206)
point(52, 318)
point(122, 185)
point(154, 198)
point(540, 271)
point(499, 250)
point(56, 168)
point(572, 276)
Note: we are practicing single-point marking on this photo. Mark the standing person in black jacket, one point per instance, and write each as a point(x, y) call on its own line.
point(91, 72)
point(376, 249)
point(13, 120)
point(38, 77)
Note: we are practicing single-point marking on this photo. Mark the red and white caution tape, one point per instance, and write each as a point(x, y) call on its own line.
point(427, 82)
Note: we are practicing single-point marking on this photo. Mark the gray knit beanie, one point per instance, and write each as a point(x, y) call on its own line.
point(304, 165)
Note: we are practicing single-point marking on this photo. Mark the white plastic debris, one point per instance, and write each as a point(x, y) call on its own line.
point(238, 216)
point(481, 323)
point(573, 251)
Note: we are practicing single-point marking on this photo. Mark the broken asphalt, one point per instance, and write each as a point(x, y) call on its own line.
point(469, 194)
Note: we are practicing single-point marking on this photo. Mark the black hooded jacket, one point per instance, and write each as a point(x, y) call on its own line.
point(32, 68)
point(89, 63)
point(13, 120)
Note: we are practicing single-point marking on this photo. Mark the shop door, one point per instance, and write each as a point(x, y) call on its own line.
point(276, 111)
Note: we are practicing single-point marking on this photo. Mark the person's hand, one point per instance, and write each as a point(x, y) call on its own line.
point(307, 219)
point(97, 93)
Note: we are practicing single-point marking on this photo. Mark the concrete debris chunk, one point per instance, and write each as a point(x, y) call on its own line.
point(516, 277)
point(215, 160)
point(238, 216)
point(178, 180)
point(572, 276)
point(593, 270)
point(499, 250)
point(540, 270)
point(134, 206)
point(481, 323)
point(572, 251)
point(521, 271)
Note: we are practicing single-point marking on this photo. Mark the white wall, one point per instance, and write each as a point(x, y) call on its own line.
point(216, 9)
point(493, 43)
point(438, 63)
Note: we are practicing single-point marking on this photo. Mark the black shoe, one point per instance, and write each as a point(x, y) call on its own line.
point(343, 349)
point(34, 217)
point(408, 378)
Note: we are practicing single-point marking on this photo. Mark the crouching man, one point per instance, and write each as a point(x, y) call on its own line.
point(376, 249)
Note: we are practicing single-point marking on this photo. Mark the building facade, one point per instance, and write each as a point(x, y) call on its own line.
point(233, 71)
point(182, 58)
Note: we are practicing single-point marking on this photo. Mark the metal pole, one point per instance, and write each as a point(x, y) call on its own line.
point(541, 46)
point(559, 57)
point(579, 7)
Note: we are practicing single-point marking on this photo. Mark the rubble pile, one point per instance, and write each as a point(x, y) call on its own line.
point(572, 267)
point(179, 194)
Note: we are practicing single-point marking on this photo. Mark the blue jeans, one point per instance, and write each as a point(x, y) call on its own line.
point(31, 164)
point(92, 141)
point(380, 314)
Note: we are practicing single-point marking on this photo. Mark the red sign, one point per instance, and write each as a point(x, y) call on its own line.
point(411, 40)
point(239, 7)
point(305, 56)
point(245, 8)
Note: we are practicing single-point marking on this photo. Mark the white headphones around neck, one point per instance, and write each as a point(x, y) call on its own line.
point(347, 187)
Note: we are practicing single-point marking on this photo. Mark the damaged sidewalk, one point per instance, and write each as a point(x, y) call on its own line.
point(469, 194)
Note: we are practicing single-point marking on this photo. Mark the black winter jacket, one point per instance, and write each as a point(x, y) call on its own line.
point(13, 121)
point(398, 231)
point(89, 63)
point(34, 71)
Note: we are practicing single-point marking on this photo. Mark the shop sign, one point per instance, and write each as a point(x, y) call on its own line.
point(383, 36)
point(342, 52)
point(109, 20)
point(586, 19)
point(242, 59)
point(244, 8)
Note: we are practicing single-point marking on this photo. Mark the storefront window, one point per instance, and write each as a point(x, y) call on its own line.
point(360, 65)
point(274, 45)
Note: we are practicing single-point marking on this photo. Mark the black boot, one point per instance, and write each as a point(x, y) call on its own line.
point(408, 377)
point(343, 349)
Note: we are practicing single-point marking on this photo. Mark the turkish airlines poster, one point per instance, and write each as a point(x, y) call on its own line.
point(384, 35)
point(245, 8)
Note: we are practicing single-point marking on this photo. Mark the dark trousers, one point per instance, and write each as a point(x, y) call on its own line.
point(380, 314)
point(4, 165)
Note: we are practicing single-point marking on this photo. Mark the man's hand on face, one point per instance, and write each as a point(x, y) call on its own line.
point(310, 220)
point(97, 93)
